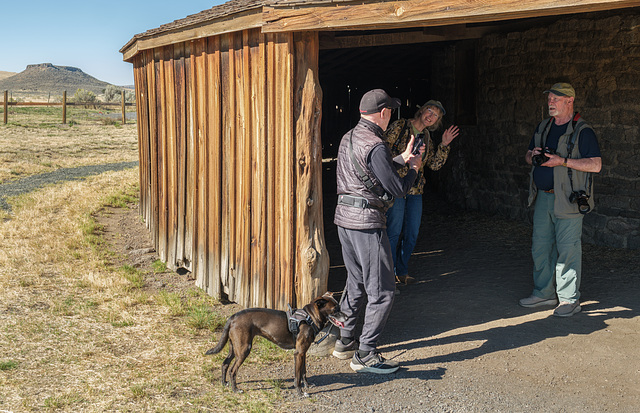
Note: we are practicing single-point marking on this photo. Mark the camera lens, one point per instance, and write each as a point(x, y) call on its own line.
point(539, 159)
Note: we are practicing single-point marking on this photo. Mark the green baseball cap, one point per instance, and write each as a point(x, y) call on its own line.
point(437, 104)
point(562, 89)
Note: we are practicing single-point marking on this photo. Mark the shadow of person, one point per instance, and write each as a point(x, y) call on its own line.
point(494, 336)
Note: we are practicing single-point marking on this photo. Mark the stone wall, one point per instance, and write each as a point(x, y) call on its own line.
point(599, 54)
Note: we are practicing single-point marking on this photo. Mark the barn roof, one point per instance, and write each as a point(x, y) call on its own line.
point(319, 15)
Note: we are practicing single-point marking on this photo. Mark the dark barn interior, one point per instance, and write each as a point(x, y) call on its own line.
point(490, 77)
point(405, 71)
point(346, 74)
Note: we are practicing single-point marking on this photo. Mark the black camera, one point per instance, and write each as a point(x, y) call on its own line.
point(582, 199)
point(541, 158)
point(417, 143)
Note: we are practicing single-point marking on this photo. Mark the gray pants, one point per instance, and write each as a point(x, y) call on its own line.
point(367, 258)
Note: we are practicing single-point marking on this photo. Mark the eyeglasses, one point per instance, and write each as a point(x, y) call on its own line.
point(432, 113)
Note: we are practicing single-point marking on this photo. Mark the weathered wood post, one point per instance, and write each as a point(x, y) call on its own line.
point(64, 107)
point(312, 266)
point(6, 106)
point(124, 114)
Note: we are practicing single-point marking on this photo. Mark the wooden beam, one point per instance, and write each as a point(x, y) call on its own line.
point(416, 13)
point(329, 40)
point(228, 24)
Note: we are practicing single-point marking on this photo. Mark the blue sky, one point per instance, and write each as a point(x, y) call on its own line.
point(83, 33)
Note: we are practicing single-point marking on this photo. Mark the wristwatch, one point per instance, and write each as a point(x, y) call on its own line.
point(565, 162)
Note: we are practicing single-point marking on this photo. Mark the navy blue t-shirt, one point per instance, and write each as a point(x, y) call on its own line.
point(587, 145)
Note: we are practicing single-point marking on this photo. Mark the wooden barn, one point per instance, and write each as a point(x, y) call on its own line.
point(238, 106)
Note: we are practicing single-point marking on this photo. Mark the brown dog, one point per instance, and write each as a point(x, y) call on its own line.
point(273, 325)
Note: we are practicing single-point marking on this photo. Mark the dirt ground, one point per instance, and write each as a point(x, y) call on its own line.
point(462, 341)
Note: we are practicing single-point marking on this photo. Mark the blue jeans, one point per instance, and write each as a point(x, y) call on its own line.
point(403, 226)
point(557, 252)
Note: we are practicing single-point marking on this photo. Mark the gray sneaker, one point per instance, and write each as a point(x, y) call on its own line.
point(533, 301)
point(567, 309)
point(345, 351)
point(373, 363)
point(324, 342)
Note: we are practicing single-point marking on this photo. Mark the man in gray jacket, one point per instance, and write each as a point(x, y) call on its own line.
point(367, 182)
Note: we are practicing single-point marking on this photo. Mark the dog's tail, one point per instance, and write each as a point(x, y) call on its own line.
point(223, 340)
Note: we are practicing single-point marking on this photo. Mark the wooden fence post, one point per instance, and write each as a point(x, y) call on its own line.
point(64, 107)
point(124, 114)
point(6, 106)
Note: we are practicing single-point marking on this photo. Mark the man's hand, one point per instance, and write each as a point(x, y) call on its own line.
point(406, 155)
point(414, 161)
point(553, 161)
point(583, 164)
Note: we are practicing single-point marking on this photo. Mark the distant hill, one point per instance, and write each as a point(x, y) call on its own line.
point(6, 74)
point(46, 77)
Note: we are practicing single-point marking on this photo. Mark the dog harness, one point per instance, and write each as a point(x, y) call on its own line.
point(297, 316)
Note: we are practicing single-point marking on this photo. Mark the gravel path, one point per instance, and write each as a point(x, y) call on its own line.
point(28, 184)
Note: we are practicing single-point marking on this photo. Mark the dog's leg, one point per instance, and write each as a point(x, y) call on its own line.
point(300, 373)
point(305, 338)
point(226, 362)
point(241, 355)
point(305, 382)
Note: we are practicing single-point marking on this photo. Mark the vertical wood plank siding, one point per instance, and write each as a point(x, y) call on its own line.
point(230, 163)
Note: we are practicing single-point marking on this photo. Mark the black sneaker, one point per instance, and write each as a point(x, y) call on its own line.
point(373, 363)
point(345, 351)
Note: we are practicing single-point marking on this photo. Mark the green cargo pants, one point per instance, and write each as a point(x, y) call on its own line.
point(557, 252)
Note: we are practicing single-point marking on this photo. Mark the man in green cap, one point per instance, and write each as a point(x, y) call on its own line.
point(564, 153)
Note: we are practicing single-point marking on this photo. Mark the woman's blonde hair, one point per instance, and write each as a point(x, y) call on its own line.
point(433, 105)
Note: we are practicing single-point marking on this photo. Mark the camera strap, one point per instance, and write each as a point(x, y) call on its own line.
point(545, 133)
point(366, 180)
point(572, 142)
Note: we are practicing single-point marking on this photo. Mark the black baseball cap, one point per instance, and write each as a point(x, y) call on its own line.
point(375, 100)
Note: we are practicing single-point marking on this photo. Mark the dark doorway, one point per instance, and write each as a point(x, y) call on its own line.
point(414, 73)
point(404, 71)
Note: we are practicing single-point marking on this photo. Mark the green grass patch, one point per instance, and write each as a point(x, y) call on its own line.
point(267, 352)
point(138, 392)
point(123, 198)
point(173, 302)
point(196, 309)
point(200, 316)
point(131, 274)
point(8, 365)
point(63, 401)
point(159, 267)
point(92, 232)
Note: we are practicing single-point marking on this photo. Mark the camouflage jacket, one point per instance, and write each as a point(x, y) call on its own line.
point(398, 135)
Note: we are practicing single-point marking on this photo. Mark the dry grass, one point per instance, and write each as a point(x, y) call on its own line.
point(78, 335)
point(35, 140)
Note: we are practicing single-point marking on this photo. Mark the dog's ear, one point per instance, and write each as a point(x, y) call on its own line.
point(330, 297)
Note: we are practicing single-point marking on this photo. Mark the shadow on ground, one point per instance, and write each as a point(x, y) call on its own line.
point(472, 268)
